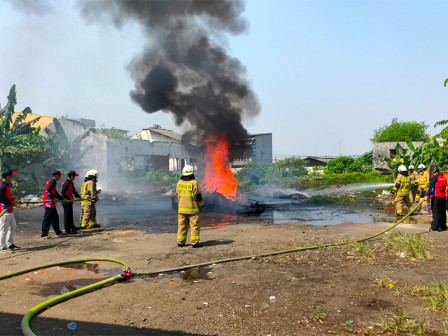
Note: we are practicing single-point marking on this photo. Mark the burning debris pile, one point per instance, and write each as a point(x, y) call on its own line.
point(217, 202)
point(293, 196)
point(185, 70)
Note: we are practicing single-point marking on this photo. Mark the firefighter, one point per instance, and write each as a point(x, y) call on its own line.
point(437, 192)
point(414, 183)
point(89, 196)
point(190, 204)
point(401, 188)
point(423, 182)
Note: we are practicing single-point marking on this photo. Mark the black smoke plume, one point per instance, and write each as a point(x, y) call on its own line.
point(184, 70)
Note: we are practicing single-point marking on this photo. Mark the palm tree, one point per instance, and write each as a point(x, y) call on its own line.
point(18, 138)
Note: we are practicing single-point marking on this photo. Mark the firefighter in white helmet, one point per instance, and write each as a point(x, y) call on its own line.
point(423, 183)
point(89, 196)
point(413, 183)
point(190, 204)
point(401, 188)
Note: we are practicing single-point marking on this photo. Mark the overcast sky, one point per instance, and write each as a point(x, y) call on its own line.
point(326, 73)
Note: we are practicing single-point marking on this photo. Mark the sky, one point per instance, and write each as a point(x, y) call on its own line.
point(327, 73)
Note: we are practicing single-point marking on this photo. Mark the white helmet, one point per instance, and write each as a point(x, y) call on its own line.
point(411, 167)
point(402, 168)
point(187, 170)
point(92, 172)
point(421, 166)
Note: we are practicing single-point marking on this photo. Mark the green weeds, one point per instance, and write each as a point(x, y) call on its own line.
point(412, 245)
point(401, 323)
point(435, 295)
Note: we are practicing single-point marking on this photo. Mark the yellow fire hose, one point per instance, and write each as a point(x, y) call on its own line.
point(127, 274)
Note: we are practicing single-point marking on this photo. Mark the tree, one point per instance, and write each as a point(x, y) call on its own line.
point(338, 165)
point(443, 133)
point(19, 140)
point(400, 131)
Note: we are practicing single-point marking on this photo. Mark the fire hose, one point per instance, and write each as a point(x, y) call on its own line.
point(127, 274)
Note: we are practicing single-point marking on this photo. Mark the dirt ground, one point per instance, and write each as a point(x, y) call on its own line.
point(332, 291)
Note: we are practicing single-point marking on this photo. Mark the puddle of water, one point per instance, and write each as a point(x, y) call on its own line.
point(94, 267)
point(190, 276)
point(58, 288)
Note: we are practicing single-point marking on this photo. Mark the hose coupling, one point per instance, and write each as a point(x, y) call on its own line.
point(127, 274)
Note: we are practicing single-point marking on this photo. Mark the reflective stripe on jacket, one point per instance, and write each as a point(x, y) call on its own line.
point(423, 179)
point(187, 192)
point(88, 192)
point(403, 183)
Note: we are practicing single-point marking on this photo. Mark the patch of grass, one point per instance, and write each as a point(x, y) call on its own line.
point(384, 282)
point(317, 313)
point(326, 180)
point(412, 245)
point(435, 295)
point(401, 323)
point(362, 247)
point(319, 199)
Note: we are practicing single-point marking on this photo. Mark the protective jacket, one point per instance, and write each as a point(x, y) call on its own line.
point(189, 197)
point(68, 190)
point(402, 184)
point(423, 179)
point(51, 194)
point(437, 186)
point(6, 198)
point(414, 178)
point(89, 193)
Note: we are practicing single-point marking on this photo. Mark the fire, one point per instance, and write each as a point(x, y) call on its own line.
point(218, 177)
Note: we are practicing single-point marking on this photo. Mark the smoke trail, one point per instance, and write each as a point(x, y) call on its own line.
point(184, 70)
point(37, 7)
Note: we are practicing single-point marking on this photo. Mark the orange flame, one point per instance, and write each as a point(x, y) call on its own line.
point(218, 177)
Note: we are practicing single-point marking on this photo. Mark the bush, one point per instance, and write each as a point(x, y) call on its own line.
point(283, 174)
point(326, 180)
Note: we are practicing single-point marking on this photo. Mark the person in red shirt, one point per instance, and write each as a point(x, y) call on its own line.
point(7, 220)
point(51, 217)
point(437, 192)
point(68, 192)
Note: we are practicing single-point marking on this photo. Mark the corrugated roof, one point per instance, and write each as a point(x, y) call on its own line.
point(173, 135)
point(43, 121)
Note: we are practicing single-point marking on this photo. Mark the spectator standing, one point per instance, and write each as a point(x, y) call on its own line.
point(437, 192)
point(7, 220)
point(51, 217)
point(68, 192)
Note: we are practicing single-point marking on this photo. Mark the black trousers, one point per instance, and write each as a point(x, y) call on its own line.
point(69, 224)
point(51, 218)
point(438, 207)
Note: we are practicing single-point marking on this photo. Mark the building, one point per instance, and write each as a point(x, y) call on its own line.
point(259, 149)
point(382, 150)
point(173, 153)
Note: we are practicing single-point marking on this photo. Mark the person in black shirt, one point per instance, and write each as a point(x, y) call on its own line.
point(437, 192)
point(51, 217)
point(7, 220)
point(68, 192)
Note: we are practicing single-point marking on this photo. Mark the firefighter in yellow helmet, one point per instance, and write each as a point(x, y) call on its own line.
point(89, 196)
point(401, 188)
point(190, 204)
